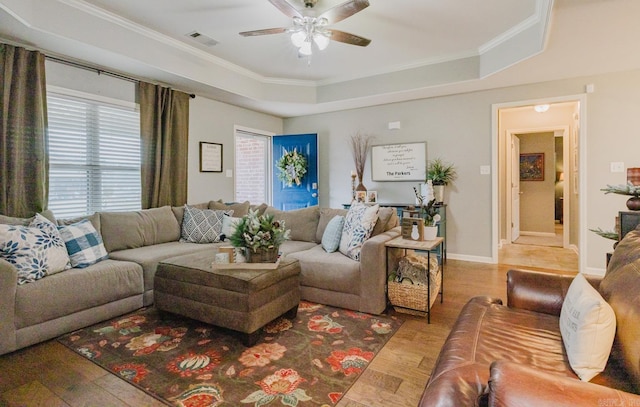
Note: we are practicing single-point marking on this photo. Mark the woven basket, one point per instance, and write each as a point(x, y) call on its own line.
point(408, 298)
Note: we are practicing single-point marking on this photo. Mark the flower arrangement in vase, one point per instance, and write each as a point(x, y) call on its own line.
point(261, 236)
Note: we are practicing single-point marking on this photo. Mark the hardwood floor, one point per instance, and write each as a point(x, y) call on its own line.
point(49, 374)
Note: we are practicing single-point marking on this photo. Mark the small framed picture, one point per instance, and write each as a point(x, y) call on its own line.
point(361, 196)
point(372, 196)
point(210, 157)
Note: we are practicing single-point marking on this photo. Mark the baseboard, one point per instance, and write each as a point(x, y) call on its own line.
point(595, 271)
point(475, 259)
point(540, 234)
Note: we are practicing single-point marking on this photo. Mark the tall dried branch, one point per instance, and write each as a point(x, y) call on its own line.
point(360, 145)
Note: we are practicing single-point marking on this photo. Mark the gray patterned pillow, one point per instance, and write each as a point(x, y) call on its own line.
point(202, 225)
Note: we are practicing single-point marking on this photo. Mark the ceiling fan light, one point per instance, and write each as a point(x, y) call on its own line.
point(305, 49)
point(297, 38)
point(321, 40)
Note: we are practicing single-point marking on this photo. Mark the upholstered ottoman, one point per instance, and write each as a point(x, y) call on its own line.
point(242, 298)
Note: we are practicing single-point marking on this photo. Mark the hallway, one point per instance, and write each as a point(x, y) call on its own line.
point(539, 251)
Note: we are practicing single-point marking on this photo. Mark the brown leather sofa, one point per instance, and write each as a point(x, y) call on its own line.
point(513, 355)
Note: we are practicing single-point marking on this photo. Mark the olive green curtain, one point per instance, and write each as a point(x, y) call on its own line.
point(24, 164)
point(164, 127)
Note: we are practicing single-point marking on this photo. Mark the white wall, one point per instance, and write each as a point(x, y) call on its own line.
point(458, 129)
point(214, 122)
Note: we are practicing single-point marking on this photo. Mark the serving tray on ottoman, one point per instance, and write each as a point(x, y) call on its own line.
point(238, 298)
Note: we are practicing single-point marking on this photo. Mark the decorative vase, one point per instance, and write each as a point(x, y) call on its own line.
point(633, 203)
point(361, 186)
point(262, 255)
point(438, 193)
point(430, 232)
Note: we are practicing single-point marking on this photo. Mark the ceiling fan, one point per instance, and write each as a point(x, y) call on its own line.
point(309, 29)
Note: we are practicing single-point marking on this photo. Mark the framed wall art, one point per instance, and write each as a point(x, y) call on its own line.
point(210, 157)
point(399, 162)
point(532, 167)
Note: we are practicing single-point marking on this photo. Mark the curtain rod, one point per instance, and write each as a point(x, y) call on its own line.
point(98, 70)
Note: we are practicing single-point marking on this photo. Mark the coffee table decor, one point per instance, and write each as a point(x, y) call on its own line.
point(311, 360)
point(261, 236)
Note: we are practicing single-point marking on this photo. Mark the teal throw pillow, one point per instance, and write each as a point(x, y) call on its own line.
point(332, 234)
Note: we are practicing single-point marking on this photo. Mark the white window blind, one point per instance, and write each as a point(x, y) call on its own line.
point(94, 156)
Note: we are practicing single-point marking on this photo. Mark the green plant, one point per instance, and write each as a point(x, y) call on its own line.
point(607, 234)
point(440, 172)
point(259, 232)
point(292, 167)
point(625, 189)
point(428, 212)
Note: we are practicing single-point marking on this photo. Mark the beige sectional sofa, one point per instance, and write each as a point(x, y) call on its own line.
point(138, 241)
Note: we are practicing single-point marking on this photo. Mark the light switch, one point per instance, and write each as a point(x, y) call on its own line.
point(229, 173)
point(485, 169)
point(617, 166)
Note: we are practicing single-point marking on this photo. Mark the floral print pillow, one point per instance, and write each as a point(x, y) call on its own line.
point(35, 250)
point(358, 225)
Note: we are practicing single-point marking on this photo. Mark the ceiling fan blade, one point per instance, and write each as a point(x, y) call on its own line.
point(266, 31)
point(286, 8)
point(344, 10)
point(347, 38)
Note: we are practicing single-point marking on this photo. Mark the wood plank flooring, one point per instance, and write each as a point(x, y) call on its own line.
point(49, 374)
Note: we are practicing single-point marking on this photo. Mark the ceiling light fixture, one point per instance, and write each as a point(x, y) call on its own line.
point(307, 31)
point(541, 108)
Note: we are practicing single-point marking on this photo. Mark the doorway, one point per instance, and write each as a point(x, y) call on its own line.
point(536, 192)
point(513, 123)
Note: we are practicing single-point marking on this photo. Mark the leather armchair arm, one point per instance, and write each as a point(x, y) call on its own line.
point(539, 291)
point(511, 384)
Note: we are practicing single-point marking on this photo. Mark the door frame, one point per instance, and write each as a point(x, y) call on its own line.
point(581, 176)
point(511, 133)
point(510, 142)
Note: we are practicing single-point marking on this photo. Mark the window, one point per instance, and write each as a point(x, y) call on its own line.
point(252, 166)
point(94, 154)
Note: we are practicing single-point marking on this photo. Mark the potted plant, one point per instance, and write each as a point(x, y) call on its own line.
point(628, 189)
point(440, 173)
point(261, 236)
point(430, 214)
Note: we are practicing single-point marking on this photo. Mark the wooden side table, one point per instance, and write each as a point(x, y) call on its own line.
point(428, 246)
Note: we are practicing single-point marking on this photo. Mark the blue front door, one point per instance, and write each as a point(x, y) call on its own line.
point(287, 197)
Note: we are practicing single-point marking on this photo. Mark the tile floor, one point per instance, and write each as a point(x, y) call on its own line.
point(539, 252)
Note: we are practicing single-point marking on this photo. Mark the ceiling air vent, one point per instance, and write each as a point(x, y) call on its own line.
point(202, 39)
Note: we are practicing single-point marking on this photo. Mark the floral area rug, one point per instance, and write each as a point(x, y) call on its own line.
point(309, 361)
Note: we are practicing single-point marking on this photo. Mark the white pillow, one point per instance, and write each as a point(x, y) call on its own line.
point(34, 251)
point(358, 225)
point(587, 326)
point(57, 256)
point(229, 224)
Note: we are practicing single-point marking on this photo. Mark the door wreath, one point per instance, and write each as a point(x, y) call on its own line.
point(292, 167)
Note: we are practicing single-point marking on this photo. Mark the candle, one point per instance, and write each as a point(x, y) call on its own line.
point(353, 173)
